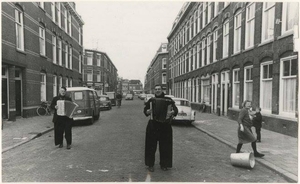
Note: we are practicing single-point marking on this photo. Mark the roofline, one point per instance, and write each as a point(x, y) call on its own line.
point(102, 53)
point(74, 12)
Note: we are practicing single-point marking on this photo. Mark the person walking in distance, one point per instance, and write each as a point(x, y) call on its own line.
point(245, 134)
point(257, 123)
point(62, 124)
point(162, 110)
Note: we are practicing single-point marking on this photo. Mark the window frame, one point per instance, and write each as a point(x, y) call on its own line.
point(19, 26)
point(265, 17)
point(43, 89)
point(248, 81)
point(237, 32)
point(225, 52)
point(42, 40)
point(285, 12)
point(236, 82)
point(249, 29)
point(261, 99)
point(54, 47)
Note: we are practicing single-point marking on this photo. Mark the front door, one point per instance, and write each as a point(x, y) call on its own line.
point(4, 98)
point(18, 88)
point(224, 92)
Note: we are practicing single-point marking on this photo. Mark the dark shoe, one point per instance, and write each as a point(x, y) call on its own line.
point(151, 169)
point(259, 155)
point(163, 168)
point(69, 146)
point(61, 145)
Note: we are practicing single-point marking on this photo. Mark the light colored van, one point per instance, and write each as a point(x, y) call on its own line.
point(88, 101)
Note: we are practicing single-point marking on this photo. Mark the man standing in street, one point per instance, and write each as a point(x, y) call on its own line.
point(62, 124)
point(162, 110)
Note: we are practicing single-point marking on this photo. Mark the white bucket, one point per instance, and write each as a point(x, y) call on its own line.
point(242, 159)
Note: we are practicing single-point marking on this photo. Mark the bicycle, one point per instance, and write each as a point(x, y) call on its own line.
point(44, 109)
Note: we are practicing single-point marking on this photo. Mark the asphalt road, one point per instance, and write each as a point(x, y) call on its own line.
point(112, 150)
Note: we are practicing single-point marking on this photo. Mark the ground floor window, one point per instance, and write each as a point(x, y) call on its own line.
point(205, 91)
point(236, 88)
point(266, 79)
point(248, 83)
point(43, 87)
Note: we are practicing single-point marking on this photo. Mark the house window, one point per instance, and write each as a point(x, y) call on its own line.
point(216, 8)
point(59, 52)
point(248, 83)
point(54, 85)
point(66, 55)
point(250, 19)
point(237, 31)
point(43, 87)
point(288, 86)
point(204, 20)
point(164, 78)
point(205, 91)
point(236, 88)
point(71, 82)
point(268, 21)
point(89, 58)
point(198, 60)
point(98, 76)
point(199, 17)
point(66, 21)
point(215, 45)
point(54, 49)
point(225, 38)
point(209, 10)
point(89, 75)
point(208, 49)
point(80, 63)
point(164, 63)
point(70, 57)
point(60, 82)
point(42, 40)
point(80, 36)
point(67, 82)
point(70, 24)
point(266, 86)
point(57, 14)
point(196, 22)
point(290, 16)
point(53, 11)
point(19, 29)
point(203, 52)
point(98, 59)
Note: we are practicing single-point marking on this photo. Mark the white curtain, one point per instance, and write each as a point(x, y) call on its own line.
point(267, 95)
point(289, 95)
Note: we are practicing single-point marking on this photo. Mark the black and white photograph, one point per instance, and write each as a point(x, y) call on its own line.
point(150, 91)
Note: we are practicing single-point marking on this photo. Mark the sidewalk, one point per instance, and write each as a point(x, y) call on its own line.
point(281, 151)
point(16, 133)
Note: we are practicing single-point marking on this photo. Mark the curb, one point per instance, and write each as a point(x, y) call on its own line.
point(287, 175)
point(23, 142)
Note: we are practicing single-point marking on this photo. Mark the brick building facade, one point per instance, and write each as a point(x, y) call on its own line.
point(221, 54)
point(99, 72)
point(41, 51)
point(157, 70)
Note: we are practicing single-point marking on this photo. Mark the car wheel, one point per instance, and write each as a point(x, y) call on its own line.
point(97, 116)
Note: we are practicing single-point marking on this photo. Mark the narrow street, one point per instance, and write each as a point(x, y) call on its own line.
point(112, 150)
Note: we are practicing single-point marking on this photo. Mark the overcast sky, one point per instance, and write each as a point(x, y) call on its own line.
point(129, 32)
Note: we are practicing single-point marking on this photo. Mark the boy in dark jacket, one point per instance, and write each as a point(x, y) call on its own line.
point(257, 123)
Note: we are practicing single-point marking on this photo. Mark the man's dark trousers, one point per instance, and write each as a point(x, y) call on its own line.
point(162, 133)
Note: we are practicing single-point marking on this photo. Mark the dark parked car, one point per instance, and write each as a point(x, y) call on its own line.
point(105, 102)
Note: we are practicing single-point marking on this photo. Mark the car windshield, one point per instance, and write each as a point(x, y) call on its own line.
point(103, 98)
point(182, 103)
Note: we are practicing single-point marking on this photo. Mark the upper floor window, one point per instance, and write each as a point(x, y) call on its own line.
point(80, 63)
point(237, 31)
point(164, 63)
point(208, 48)
point(70, 57)
point(57, 14)
point(203, 52)
point(290, 16)
point(288, 86)
point(53, 11)
point(41, 4)
point(225, 38)
point(70, 24)
point(98, 59)
point(66, 55)
point(71, 82)
point(209, 11)
point(54, 85)
point(89, 56)
point(67, 82)
point(19, 29)
point(215, 44)
point(98, 76)
point(216, 8)
point(248, 83)
point(59, 52)
point(250, 20)
point(66, 20)
point(266, 86)
point(60, 81)
point(89, 75)
point(236, 88)
point(54, 49)
point(204, 14)
point(42, 40)
point(268, 21)
point(80, 36)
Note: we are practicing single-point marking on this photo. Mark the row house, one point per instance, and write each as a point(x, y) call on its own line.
point(99, 72)
point(222, 53)
point(157, 70)
point(41, 51)
point(135, 86)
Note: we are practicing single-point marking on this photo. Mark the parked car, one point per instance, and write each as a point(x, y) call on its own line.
point(112, 97)
point(148, 96)
point(185, 112)
point(129, 96)
point(142, 96)
point(105, 102)
point(88, 101)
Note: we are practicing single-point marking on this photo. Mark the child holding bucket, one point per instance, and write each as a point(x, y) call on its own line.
point(245, 134)
point(257, 120)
